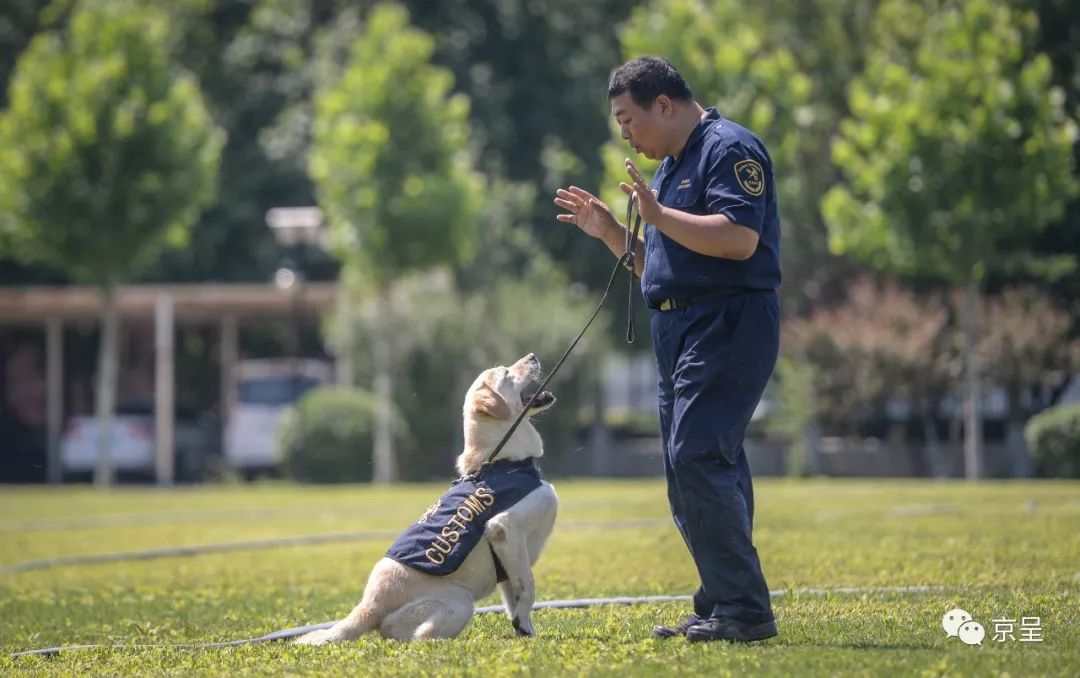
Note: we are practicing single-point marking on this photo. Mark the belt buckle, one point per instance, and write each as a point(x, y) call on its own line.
point(668, 305)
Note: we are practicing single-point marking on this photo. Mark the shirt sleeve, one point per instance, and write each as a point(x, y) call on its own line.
point(735, 185)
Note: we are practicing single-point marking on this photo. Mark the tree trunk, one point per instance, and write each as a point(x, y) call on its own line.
point(1020, 461)
point(600, 444)
point(811, 461)
point(931, 442)
point(972, 393)
point(106, 385)
point(385, 463)
point(344, 344)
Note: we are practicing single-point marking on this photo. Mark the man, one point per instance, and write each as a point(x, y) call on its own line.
point(709, 266)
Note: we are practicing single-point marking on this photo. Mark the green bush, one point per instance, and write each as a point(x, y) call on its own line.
point(1053, 437)
point(326, 438)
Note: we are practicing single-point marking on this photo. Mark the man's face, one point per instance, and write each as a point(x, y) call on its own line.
point(644, 128)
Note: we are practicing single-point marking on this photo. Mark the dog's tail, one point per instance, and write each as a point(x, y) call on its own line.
point(361, 620)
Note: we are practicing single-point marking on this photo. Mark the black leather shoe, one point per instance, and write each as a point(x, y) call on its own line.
point(672, 631)
point(718, 628)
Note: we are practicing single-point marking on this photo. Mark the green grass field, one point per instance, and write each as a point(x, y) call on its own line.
point(996, 550)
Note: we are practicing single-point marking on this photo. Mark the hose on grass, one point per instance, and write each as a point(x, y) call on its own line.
point(286, 634)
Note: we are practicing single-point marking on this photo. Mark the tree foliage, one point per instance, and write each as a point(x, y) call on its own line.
point(109, 151)
point(893, 345)
point(957, 141)
point(1018, 350)
point(390, 157)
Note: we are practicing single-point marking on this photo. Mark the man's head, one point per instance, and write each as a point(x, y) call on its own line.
point(645, 96)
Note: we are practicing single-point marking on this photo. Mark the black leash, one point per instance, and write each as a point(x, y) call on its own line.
point(631, 241)
point(627, 260)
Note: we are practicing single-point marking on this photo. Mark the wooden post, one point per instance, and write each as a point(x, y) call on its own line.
point(229, 350)
point(54, 396)
point(164, 411)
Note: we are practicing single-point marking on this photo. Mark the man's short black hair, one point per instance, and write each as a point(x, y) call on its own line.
point(647, 78)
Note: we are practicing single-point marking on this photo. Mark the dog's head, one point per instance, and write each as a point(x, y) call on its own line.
point(493, 402)
point(500, 392)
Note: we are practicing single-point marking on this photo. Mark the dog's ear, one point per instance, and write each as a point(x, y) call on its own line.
point(488, 401)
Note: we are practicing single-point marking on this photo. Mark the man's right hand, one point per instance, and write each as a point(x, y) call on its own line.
point(585, 211)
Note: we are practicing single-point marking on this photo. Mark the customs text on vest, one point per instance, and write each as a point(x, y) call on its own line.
point(447, 532)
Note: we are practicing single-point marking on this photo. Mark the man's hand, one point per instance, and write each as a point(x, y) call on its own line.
point(647, 205)
point(585, 211)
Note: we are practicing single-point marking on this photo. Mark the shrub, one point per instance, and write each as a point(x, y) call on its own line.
point(326, 438)
point(1054, 439)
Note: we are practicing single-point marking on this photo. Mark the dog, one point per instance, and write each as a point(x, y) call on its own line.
point(405, 603)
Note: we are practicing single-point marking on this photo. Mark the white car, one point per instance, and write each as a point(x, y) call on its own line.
point(264, 390)
point(132, 449)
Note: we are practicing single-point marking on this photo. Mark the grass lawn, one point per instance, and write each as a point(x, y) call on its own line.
point(997, 550)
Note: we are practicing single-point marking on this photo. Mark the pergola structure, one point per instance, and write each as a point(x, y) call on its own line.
point(225, 304)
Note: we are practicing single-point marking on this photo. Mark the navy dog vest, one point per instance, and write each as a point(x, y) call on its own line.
point(447, 532)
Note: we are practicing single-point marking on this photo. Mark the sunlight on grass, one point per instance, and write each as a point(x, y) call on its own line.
point(995, 549)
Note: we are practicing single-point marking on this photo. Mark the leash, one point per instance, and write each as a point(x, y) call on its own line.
point(627, 260)
point(631, 240)
point(286, 634)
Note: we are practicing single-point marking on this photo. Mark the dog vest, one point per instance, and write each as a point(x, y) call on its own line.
point(447, 532)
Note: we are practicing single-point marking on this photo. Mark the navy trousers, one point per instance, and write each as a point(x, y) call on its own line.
point(714, 360)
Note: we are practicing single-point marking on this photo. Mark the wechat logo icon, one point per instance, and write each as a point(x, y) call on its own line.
point(959, 623)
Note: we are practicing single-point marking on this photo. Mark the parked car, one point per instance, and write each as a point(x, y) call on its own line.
point(132, 446)
point(264, 390)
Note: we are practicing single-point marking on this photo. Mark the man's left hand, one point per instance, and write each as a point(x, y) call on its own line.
point(647, 205)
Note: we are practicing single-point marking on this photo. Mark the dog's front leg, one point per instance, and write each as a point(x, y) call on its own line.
point(519, 590)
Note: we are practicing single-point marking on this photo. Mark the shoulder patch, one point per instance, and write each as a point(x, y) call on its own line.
point(751, 177)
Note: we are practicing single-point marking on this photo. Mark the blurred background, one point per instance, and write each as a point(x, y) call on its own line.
point(280, 238)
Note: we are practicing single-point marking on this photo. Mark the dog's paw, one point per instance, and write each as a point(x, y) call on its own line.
point(523, 627)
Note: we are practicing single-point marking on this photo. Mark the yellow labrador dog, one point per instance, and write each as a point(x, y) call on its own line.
point(403, 598)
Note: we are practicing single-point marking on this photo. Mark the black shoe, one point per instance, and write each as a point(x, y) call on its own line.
point(672, 631)
point(719, 628)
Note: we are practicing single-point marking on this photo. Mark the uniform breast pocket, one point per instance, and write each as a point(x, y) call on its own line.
point(686, 199)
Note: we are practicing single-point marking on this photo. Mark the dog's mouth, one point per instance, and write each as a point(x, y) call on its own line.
point(541, 401)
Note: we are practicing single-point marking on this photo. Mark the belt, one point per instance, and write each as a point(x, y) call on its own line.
point(672, 304)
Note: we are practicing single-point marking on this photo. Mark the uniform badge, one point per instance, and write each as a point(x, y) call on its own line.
point(751, 177)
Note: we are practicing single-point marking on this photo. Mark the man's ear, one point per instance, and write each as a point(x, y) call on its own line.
point(488, 401)
point(664, 102)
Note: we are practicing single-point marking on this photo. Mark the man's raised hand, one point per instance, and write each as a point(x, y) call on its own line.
point(647, 205)
point(584, 210)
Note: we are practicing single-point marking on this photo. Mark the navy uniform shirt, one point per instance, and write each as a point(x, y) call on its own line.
point(722, 169)
point(447, 532)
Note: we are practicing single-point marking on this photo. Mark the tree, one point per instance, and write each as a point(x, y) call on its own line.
point(392, 172)
point(895, 346)
point(109, 155)
point(957, 143)
point(1057, 36)
point(490, 46)
point(1022, 355)
point(779, 73)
